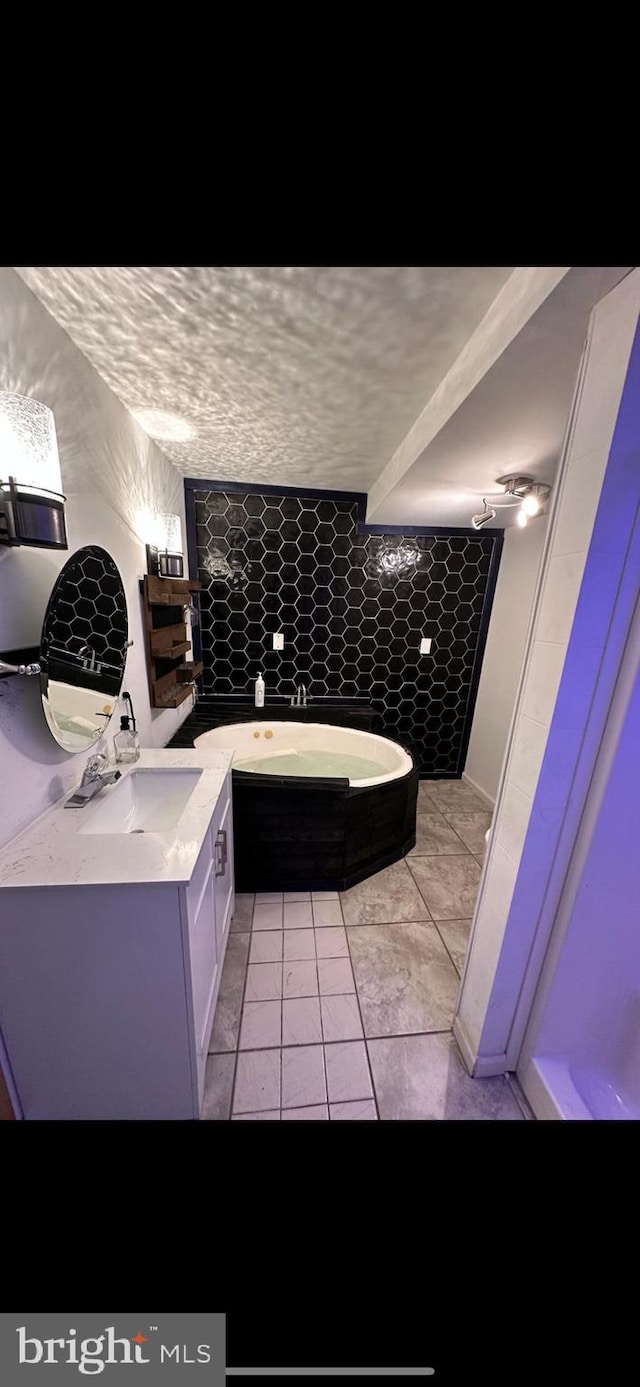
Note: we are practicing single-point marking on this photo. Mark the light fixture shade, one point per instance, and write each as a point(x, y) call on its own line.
point(31, 501)
point(169, 534)
point(28, 444)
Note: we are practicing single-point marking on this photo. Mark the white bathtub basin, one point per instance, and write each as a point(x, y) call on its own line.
point(145, 801)
point(363, 758)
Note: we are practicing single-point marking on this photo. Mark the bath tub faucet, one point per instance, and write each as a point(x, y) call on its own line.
point(90, 660)
point(96, 774)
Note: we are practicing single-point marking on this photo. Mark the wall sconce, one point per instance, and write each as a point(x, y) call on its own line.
point(31, 500)
point(164, 558)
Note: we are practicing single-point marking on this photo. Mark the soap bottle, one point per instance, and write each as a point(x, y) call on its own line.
point(126, 742)
point(259, 692)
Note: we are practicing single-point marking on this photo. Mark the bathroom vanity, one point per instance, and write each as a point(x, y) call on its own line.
point(109, 977)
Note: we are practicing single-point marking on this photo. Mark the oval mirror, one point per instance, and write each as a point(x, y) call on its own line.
point(83, 649)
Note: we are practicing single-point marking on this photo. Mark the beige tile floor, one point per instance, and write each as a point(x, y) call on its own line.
point(339, 1007)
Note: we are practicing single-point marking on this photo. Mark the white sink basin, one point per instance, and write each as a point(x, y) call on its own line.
point(145, 801)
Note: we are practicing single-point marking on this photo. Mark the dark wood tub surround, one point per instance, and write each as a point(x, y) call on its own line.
point(291, 831)
point(318, 834)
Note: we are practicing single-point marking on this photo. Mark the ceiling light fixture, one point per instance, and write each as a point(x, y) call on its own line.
point(483, 519)
point(166, 427)
point(518, 490)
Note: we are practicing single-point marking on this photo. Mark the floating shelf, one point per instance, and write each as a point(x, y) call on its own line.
point(190, 670)
point(177, 698)
point(167, 639)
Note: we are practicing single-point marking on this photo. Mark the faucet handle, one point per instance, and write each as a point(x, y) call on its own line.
point(96, 765)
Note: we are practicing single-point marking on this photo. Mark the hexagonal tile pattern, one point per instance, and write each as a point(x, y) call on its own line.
point(87, 617)
point(352, 606)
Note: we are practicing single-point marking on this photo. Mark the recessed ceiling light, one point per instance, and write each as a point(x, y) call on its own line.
point(166, 427)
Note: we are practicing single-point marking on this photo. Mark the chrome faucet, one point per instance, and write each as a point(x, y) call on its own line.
point(96, 775)
point(90, 661)
point(299, 699)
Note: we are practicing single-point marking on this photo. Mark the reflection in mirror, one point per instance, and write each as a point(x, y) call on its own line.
point(83, 649)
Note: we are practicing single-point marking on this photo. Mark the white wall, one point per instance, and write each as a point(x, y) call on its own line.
point(503, 656)
point(587, 1003)
point(114, 476)
point(556, 690)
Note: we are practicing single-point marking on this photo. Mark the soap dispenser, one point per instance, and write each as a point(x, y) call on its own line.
point(259, 692)
point(126, 742)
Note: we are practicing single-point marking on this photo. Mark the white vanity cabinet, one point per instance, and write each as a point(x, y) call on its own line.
point(108, 990)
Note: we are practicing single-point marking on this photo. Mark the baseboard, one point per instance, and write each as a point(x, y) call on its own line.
point(479, 1066)
point(539, 1098)
point(490, 803)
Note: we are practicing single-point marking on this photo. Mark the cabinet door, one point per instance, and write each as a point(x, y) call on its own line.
point(204, 963)
point(203, 950)
point(222, 832)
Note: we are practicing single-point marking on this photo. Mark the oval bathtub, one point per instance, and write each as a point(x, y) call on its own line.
point(295, 743)
point(316, 806)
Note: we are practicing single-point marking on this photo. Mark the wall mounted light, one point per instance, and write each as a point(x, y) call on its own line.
point(31, 500)
point(164, 556)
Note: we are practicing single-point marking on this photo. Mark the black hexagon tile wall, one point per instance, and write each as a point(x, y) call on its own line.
point(91, 613)
point(353, 605)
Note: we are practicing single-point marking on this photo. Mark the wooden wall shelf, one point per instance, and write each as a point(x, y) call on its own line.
point(167, 639)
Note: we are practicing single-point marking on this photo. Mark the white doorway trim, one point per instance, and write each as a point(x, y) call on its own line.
point(520, 889)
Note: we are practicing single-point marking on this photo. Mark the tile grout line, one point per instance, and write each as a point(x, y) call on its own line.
point(444, 918)
point(364, 1034)
point(244, 988)
point(324, 1061)
point(444, 942)
point(391, 1035)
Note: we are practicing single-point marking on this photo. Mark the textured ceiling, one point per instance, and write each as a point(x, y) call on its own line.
point(288, 375)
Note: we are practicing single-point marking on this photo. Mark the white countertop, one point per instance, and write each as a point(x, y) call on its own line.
point(51, 852)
